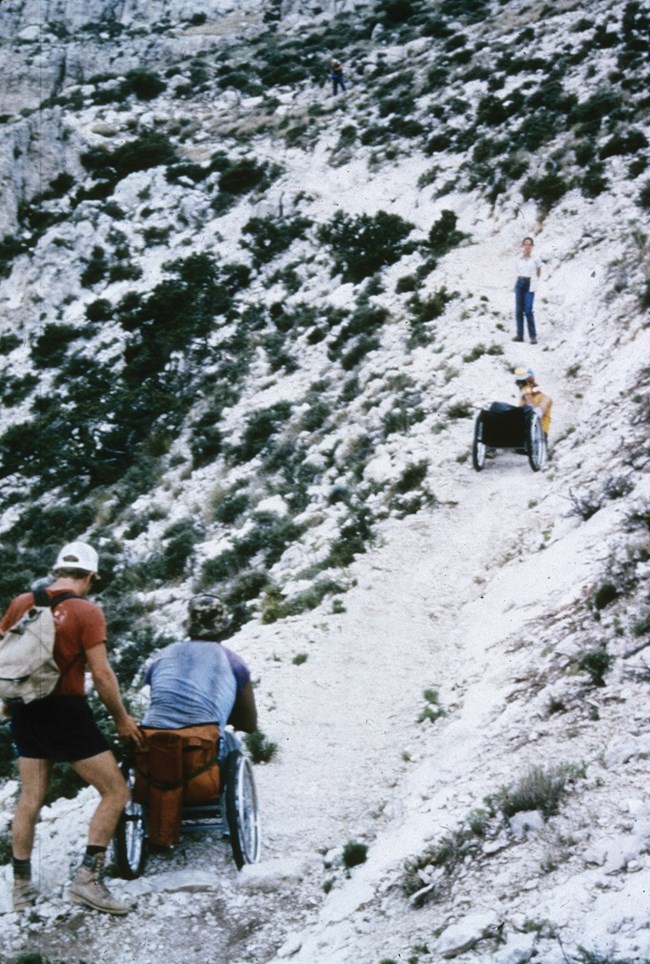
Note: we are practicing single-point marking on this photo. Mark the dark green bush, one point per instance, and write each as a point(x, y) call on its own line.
point(152, 149)
point(100, 310)
point(8, 343)
point(51, 346)
point(605, 595)
point(546, 190)
point(143, 83)
point(260, 748)
point(354, 853)
point(593, 181)
point(353, 539)
point(591, 112)
point(431, 308)
point(630, 142)
point(194, 172)
point(244, 176)
point(361, 347)
point(361, 246)
point(596, 663)
point(96, 268)
point(272, 236)
point(260, 432)
point(412, 477)
point(443, 235)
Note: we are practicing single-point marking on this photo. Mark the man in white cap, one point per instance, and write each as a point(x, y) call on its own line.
point(60, 728)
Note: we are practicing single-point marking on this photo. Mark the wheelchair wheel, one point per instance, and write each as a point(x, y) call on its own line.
point(242, 810)
point(536, 447)
point(478, 447)
point(130, 840)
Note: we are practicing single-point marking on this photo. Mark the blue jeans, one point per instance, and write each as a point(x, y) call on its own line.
point(524, 307)
point(337, 81)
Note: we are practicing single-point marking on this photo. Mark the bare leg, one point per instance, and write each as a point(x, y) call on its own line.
point(34, 778)
point(103, 773)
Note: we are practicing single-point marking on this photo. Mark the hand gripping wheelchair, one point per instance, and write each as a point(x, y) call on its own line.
point(181, 782)
point(504, 426)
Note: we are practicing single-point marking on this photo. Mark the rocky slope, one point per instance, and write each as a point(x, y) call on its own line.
point(286, 309)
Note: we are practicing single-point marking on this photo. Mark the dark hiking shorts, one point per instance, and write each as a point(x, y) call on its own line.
point(58, 728)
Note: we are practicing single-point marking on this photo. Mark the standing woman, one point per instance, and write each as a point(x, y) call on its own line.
point(529, 269)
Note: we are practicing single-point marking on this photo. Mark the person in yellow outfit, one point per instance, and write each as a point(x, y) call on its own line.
point(531, 394)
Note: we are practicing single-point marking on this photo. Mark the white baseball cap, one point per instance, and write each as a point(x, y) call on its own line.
point(77, 555)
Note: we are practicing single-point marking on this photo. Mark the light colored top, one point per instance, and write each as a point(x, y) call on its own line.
point(194, 682)
point(528, 268)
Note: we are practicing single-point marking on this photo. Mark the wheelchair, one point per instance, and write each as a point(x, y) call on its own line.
point(225, 803)
point(507, 427)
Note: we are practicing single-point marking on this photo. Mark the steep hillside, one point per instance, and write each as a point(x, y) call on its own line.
point(247, 327)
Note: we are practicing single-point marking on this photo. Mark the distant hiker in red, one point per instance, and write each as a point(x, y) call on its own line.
point(336, 73)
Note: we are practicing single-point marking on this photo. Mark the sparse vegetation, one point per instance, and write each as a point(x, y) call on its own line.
point(260, 748)
point(354, 853)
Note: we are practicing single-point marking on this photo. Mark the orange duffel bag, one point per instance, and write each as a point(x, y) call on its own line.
point(177, 768)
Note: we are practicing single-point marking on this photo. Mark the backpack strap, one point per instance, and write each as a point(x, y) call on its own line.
point(42, 600)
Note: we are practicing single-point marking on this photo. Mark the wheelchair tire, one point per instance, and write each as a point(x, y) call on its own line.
point(130, 846)
point(242, 811)
point(478, 446)
point(536, 444)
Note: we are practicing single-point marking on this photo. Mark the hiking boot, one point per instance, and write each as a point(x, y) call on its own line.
point(88, 888)
point(24, 894)
point(517, 338)
point(533, 341)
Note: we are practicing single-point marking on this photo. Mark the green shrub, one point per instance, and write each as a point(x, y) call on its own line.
point(593, 181)
point(244, 176)
point(644, 196)
point(443, 235)
point(605, 595)
point(231, 507)
point(100, 310)
point(8, 767)
point(361, 246)
point(431, 308)
point(432, 709)
point(260, 748)
point(143, 83)
point(460, 410)
point(152, 149)
point(596, 663)
point(412, 477)
point(630, 142)
point(16, 389)
point(260, 432)
point(546, 190)
point(272, 236)
point(363, 345)
point(539, 789)
point(96, 268)
point(51, 346)
point(354, 853)
point(353, 539)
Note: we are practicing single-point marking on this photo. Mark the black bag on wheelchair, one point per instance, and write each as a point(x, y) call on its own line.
point(505, 428)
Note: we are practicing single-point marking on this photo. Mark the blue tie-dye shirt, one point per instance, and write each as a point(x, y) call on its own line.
point(194, 682)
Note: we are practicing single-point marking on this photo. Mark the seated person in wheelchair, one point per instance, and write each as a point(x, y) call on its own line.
point(199, 681)
point(531, 398)
point(197, 687)
point(531, 394)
